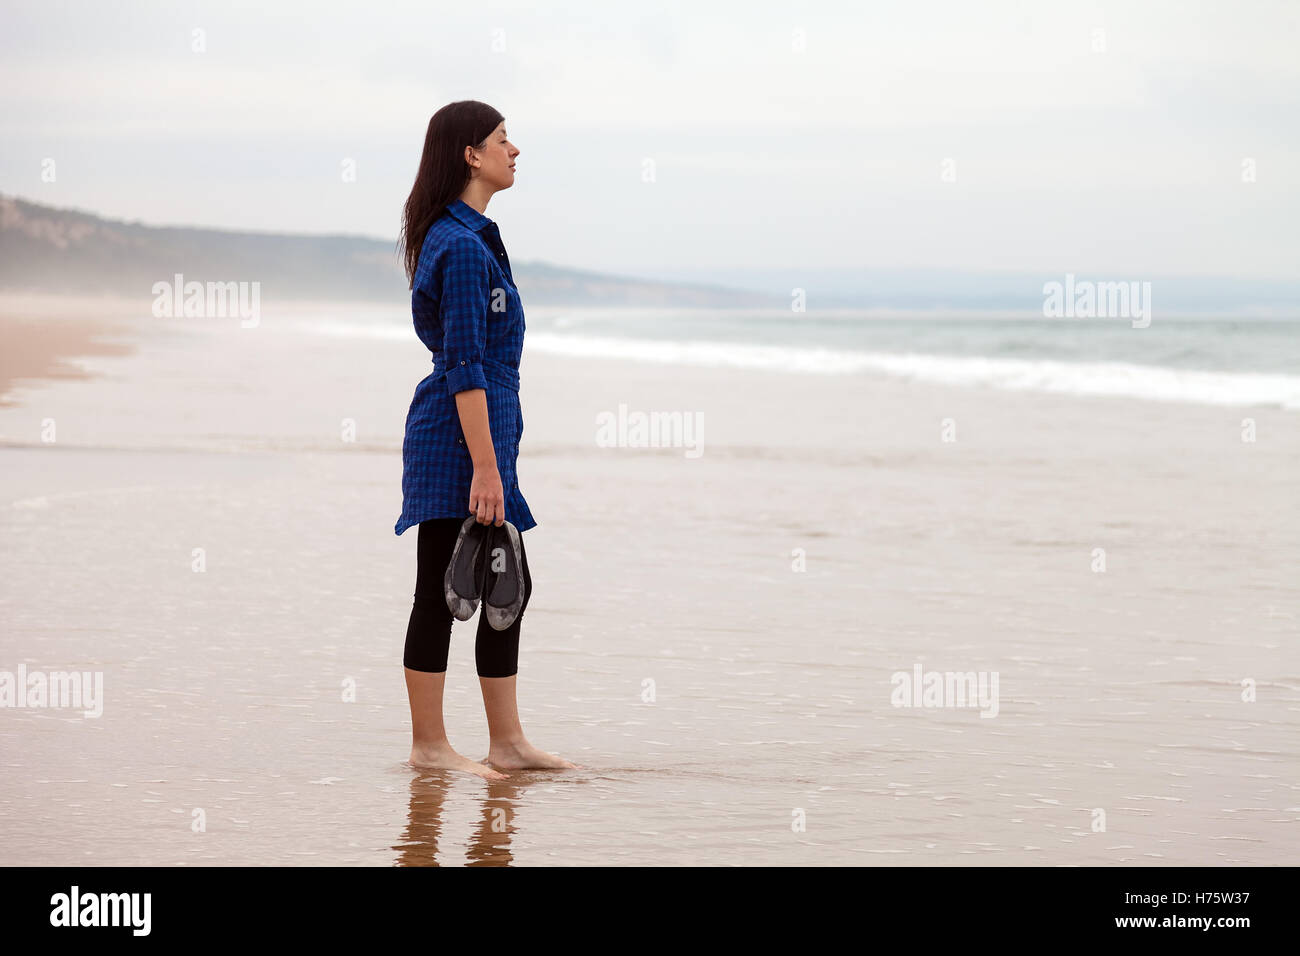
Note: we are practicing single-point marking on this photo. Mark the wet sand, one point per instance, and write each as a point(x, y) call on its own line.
point(728, 708)
point(44, 335)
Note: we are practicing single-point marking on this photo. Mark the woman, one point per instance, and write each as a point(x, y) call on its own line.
point(464, 424)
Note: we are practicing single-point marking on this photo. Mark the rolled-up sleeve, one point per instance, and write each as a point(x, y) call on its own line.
point(462, 310)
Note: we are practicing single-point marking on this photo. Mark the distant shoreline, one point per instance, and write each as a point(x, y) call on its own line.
point(45, 333)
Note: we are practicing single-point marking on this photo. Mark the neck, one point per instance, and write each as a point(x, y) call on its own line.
point(476, 196)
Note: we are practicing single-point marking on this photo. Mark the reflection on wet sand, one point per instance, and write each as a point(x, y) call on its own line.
point(490, 840)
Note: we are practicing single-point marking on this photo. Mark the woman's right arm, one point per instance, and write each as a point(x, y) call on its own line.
point(487, 499)
point(463, 307)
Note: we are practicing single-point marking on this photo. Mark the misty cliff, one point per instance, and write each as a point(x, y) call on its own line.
point(45, 249)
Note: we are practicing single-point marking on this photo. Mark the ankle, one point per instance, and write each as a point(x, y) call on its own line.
point(442, 745)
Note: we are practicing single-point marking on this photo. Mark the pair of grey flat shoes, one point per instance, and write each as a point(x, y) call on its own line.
point(486, 563)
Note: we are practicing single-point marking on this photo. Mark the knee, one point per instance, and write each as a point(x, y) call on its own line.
point(430, 597)
point(430, 614)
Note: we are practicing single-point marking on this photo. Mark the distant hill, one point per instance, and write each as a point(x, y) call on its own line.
point(44, 249)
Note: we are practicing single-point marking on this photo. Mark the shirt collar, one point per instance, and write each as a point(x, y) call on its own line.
point(467, 214)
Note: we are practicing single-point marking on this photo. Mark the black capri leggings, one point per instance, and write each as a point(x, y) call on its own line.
point(428, 634)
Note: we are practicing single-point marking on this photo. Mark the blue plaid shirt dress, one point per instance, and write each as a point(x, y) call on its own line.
point(468, 312)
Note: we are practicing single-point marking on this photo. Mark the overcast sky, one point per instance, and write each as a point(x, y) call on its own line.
point(1006, 136)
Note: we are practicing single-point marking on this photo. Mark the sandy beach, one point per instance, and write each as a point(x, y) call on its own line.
point(715, 636)
point(42, 332)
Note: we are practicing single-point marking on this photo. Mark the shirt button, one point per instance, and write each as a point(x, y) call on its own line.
point(462, 361)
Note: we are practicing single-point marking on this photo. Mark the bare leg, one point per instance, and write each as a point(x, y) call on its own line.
point(508, 748)
point(429, 744)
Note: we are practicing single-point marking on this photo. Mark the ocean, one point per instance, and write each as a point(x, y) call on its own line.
point(1209, 361)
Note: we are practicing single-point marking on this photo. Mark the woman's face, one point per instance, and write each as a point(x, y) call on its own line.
point(496, 160)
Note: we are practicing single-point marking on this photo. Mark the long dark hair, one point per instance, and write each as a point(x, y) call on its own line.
point(443, 173)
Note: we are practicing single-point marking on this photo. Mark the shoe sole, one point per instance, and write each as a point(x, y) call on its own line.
point(462, 583)
point(503, 594)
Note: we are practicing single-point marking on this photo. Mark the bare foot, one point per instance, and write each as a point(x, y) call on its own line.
point(444, 758)
point(524, 756)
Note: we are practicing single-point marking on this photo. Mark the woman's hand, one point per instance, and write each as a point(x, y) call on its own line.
point(487, 499)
